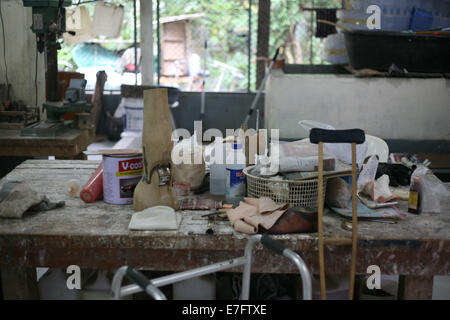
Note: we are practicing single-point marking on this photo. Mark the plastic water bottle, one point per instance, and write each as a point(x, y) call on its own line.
point(218, 170)
point(235, 165)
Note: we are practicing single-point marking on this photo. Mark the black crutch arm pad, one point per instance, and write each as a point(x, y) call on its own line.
point(271, 244)
point(337, 136)
point(138, 277)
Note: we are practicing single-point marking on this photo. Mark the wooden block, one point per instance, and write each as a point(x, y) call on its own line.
point(415, 287)
point(262, 142)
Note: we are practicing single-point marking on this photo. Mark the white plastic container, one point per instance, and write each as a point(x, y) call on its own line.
point(218, 169)
point(134, 119)
point(108, 19)
point(132, 111)
point(235, 179)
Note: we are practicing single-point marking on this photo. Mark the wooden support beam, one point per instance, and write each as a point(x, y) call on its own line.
point(19, 283)
point(263, 39)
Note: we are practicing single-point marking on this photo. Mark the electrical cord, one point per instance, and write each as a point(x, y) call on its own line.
point(4, 53)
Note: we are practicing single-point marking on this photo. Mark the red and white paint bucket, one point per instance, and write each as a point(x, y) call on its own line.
point(121, 175)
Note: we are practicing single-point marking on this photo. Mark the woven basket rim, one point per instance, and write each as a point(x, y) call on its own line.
point(246, 172)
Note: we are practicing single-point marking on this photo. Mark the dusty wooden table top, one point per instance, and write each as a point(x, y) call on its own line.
point(69, 143)
point(92, 233)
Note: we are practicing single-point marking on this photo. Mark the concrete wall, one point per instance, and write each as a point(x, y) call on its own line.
point(223, 110)
point(21, 54)
point(390, 108)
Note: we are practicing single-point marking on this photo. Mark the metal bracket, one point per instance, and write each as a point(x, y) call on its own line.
point(164, 174)
point(163, 169)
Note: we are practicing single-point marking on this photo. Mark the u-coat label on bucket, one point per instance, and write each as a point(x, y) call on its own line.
point(131, 167)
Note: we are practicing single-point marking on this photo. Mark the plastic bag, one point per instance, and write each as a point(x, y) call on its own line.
point(188, 165)
point(79, 21)
point(341, 150)
point(432, 190)
point(303, 156)
point(108, 19)
point(368, 172)
point(378, 190)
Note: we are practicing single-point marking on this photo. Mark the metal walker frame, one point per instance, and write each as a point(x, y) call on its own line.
point(151, 287)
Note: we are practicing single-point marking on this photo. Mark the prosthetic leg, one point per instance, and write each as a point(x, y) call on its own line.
point(155, 188)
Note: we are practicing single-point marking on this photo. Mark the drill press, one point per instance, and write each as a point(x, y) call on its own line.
point(49, 23)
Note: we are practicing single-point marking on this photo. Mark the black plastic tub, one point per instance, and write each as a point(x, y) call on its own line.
point(374, 49)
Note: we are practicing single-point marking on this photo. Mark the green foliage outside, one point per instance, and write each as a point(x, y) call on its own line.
point(226, 28)
point(65, 56)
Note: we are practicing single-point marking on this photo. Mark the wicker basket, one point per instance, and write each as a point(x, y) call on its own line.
point(297, 193)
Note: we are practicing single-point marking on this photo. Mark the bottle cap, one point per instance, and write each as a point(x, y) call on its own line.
point(237, 146)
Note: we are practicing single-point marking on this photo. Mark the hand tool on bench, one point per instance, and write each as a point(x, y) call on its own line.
point(353, 136)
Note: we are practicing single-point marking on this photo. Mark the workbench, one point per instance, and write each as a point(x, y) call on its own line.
point(96, 236)
point(68, 145)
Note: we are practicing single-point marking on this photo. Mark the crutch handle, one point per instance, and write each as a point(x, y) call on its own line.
point(138, 277)
point(337, 136)
point(273, 245)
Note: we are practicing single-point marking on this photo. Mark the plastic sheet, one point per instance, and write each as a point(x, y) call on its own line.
point(432, 190)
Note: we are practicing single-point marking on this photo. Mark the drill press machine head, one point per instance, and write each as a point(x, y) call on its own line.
point(49, 17)
point(49, 23)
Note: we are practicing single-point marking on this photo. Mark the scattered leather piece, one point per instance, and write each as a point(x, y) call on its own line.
point(243, 227)
point(253, 213)
point(296, 220)
point(266, 221)
point(264, 215)
point(244, 210)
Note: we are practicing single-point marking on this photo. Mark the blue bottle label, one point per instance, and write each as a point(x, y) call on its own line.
point(235, 183)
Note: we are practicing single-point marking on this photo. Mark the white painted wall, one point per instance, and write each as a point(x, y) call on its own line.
point(21, 54)
point(390, 108)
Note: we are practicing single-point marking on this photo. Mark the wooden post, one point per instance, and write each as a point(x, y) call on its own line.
point(19, 284)
point(263, 39)
point(323, 290)
point(354, 225)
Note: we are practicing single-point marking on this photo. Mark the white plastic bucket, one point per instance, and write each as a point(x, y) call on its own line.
point(133, 119)
point(133, 116)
